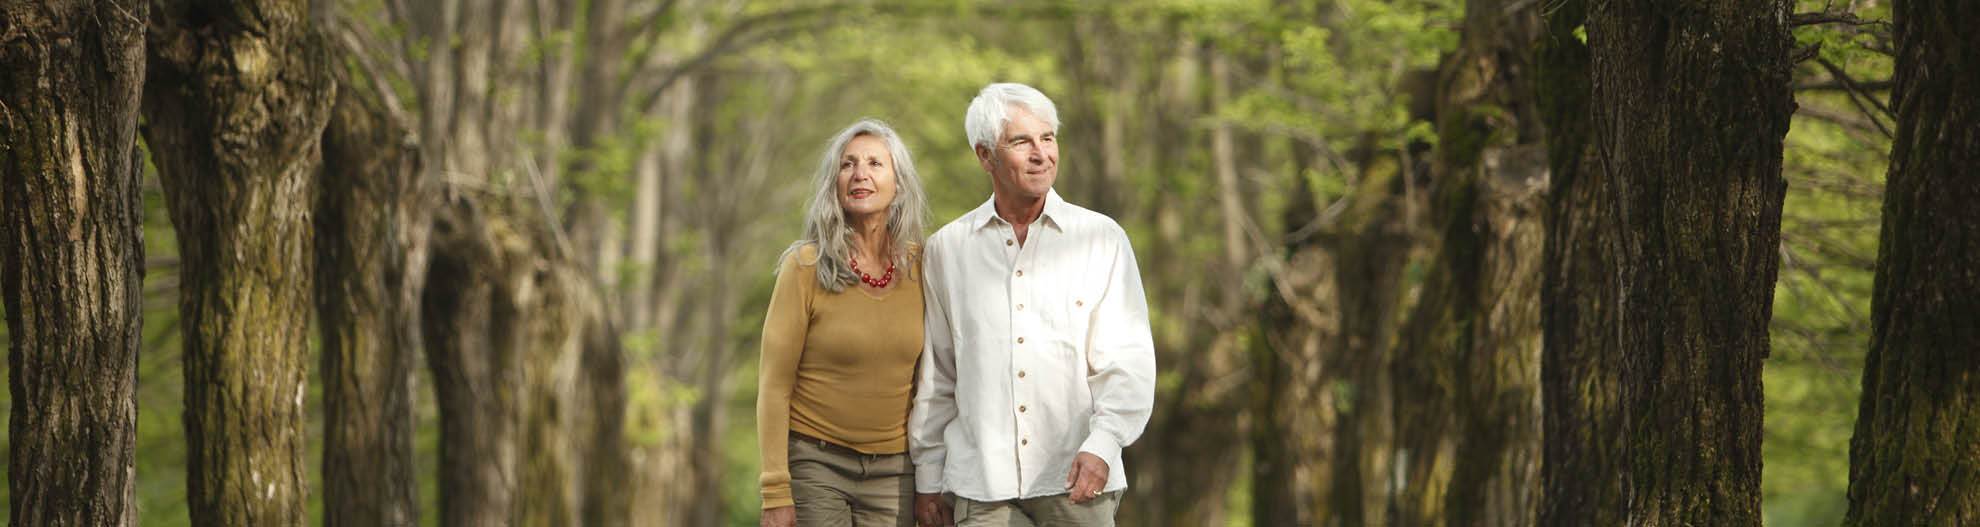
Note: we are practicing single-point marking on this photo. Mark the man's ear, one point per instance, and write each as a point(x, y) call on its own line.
point(983, 157)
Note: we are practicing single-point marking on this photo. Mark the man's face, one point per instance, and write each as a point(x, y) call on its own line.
point(1024, 162)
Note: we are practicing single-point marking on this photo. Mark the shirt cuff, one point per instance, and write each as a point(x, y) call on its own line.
point(1102, 444)
point(777, 496)
point(928, 478)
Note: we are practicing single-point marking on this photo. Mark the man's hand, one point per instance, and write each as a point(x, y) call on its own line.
point(1088, 477)
point(785, 516)
point(930, 510)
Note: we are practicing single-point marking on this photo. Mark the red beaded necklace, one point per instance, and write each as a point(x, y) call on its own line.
point(885, 279)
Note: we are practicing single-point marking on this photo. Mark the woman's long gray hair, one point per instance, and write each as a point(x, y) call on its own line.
point(825, 223)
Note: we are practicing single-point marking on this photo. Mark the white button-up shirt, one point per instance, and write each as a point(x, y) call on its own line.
point(1033, 353)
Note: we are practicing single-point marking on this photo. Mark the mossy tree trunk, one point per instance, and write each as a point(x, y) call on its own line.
point(72, 256)
point(1292, 402)
point(235, 105)
point(372, 220)
point(1370, 250)
point(1469, 357)
point(1913, 460)
point(1663, 256)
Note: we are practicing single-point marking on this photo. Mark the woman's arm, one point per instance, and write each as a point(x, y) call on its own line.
point(783, 343)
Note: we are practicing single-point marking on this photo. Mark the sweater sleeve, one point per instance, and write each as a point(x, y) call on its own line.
point(784, 329)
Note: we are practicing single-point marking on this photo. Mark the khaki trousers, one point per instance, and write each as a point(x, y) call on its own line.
point(1044, 511)
point(835, 486)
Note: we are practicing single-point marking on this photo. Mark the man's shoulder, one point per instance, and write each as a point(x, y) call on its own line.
point(951, 232)
point(1085, 219)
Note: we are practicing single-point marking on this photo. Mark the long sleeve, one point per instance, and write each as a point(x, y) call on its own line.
point(784, 328)
point(1121, 359)
point(935, 391)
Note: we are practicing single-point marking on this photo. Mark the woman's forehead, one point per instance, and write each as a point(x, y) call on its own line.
point(865, 145)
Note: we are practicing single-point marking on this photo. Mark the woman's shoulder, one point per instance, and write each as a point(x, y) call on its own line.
point(801, 255)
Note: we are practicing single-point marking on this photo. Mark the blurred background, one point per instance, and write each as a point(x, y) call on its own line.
point(1279, 166)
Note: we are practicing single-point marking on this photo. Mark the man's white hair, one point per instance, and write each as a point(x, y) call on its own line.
point(991, 111)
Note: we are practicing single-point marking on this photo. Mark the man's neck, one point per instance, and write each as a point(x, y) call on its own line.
point(1020, 213)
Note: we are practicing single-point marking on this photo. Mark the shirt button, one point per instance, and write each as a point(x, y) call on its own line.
point(1020, 374)
point(1008, 243)
point(1020, 408)
point(1079, 303)
point(1024, 441)
point(1020, 340)
point(1020, 272)
point(1020, 307)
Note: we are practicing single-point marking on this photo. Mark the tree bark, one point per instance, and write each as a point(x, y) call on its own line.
point(1469, 357)
point(1663, 256)
point(1369, 254)
point(1912, 460)
point(235, 108)
point(1291, 400)
point(373, 216)
point(472, 332)
point(72, 259)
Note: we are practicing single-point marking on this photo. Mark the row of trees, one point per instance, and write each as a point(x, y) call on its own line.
point(1416, 263)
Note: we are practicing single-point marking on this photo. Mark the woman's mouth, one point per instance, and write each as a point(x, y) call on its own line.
point(860, 193)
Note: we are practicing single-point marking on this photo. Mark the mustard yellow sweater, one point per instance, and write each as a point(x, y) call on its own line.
point(835, 366)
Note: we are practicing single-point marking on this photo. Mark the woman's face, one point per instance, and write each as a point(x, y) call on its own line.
point(866, 177)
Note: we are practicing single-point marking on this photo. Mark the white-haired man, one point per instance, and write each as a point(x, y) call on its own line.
point(1038, 366)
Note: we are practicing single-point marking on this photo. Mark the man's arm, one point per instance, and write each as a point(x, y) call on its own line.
point(935, 382)
point(1120, 361)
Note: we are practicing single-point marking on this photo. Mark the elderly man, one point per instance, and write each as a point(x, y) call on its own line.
point(1038, 366)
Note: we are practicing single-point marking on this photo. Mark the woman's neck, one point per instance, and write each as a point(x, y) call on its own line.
point(869, 237)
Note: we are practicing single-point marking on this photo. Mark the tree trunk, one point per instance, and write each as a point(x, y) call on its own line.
point(1369, 256)
point(472, 330)
point(1580, 366)
point(72, 260)
point(607, 488)
point(235, 106)
point(1912, 461)
point(1292, 403)
point(1666, 249)
point(1192, 447)
point(373, 216)
point(1469, 359)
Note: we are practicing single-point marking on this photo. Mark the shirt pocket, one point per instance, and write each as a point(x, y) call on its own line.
point(1072, 306)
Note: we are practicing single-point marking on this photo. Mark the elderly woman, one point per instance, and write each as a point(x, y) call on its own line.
point(840, 343)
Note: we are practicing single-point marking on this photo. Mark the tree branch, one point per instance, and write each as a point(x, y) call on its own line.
point(1838, 85)
point(1847, 19)
point(1850, 85)
point(380, 87)
point(1844, 119)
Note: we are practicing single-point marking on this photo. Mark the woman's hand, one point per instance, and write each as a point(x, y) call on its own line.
point(930, 510)
point(785, 516)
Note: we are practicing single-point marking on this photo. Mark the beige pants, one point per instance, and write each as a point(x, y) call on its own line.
point(1045, 511)
point(835, 486)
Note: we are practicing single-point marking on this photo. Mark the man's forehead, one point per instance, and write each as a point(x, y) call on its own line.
point(1025, 124)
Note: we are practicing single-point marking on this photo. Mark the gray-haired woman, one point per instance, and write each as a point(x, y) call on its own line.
point(840, 343)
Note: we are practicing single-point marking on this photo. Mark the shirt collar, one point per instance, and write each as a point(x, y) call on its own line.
point(1055, 212)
